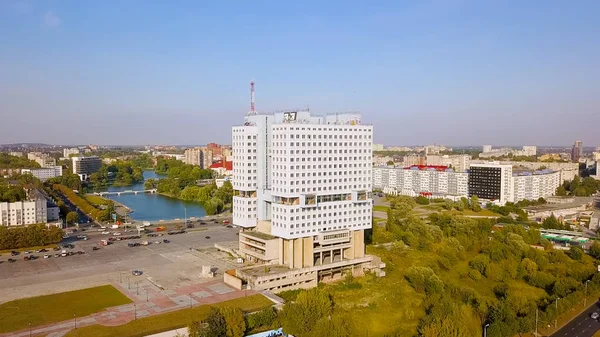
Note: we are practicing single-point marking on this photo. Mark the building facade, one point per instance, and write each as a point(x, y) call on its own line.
point(23, 212)
point(302, 193)
point(577, 151)
point(487, 148)
point(200, 156)
point(84, 166)
point(431, 181)
point(44, 174)
point(491, 182)
point(567, 171)
point(67, 152)
point(459, 163)
point(534, 185)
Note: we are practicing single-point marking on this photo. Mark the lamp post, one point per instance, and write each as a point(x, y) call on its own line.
point(556, 319)
point(485, 329)
point(128, 283)
point(29, 329)
point(190, 300)
point(75, 317)
point(134, 312)
point(137, 287)
point(585, 298)
point(146, 295)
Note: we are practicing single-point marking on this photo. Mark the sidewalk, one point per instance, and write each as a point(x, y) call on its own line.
point(148, 301)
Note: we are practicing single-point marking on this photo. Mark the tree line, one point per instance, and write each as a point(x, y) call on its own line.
point(84, 205)
point(120, 173)
point(579, 187)
point(29, 236)
point(13, 162)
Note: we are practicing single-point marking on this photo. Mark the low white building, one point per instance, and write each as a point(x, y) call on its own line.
point(23, 212)
point(432, 181)
point(67, 152)
point(46, 173)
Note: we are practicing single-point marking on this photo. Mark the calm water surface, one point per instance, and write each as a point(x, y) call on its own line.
point(154, 207)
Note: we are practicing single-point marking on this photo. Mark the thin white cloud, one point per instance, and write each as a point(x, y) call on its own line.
point(51, 20)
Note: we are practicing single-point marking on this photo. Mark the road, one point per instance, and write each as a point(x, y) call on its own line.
point(582, 325)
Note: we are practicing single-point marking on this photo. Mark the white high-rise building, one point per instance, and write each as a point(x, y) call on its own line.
point(302, 194)
point(84, 166)
point(69, 151)
point(487, 148)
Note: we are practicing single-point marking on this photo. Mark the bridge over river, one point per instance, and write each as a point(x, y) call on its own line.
point(124, 192)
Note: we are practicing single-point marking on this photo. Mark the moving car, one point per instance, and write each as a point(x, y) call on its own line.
point(137, 272)
point(105, 232)
point(595, 315)
point(116, 233)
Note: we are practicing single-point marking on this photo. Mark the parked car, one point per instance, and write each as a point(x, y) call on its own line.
point(11, 260)
point(14, 253)
point(116, 233)
point(46, 256)
point(105, 232)
point(137, 272)
point(207, 237)
point(166, 241)
point(56, 255)
point(27, 252)
point(96, 248)
point(595, 315)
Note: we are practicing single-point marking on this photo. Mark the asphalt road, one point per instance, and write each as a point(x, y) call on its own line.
point(582, 325)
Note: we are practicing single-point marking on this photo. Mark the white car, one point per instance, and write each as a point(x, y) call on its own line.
point(101, 230)
point(116, 234)
point(46, 256)
point(105, 232)
point(595, 315)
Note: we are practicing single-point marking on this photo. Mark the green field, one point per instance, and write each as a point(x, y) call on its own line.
point(380, 208)
point(168, 321)
point(96, 200)
point(16, 315)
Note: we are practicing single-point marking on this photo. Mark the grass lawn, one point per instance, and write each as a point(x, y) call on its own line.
point(96, 200)
point(49, 247)
point(168, 321)
point(483, 212)
point(380, 208)
point(16, 315)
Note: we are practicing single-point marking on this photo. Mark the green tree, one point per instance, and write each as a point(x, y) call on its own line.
point(595, 249)
point(576, 253)
point(421, 200)
point(390, 163)
point(72, 218)
point(150, 184)
point(480, 263)
point(561, 191)
point(213, 326)
point(475, 206)
point(234, 318)
point(332, 326)
point(300, 317)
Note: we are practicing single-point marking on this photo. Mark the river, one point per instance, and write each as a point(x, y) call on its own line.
point(154, 207)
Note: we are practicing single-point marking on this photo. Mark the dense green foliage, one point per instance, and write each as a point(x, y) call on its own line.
point(84, 205)
point(13, 162)
point(122, 173)
point(29, 236)
point(182, 183)
point(72, 218)
point(579, 187)
point(68, 179)
point(11, 193)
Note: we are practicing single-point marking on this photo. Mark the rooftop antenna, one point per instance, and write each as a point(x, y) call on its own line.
point(252, 107)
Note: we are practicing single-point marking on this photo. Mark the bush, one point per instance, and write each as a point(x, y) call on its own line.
point(421, 200)
point(474, 274)
point(424, 279)
point(261, 319)
point(479, 263)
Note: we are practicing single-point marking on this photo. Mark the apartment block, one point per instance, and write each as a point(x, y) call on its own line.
point(44, 174)
point(459, 163)
point(431, 181)
point(84, 166)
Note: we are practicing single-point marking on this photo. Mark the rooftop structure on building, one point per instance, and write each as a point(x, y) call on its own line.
point(302, 196)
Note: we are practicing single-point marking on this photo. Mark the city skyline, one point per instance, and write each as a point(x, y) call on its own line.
point(424, 72)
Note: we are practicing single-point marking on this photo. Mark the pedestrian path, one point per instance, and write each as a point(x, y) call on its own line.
point(148, 300)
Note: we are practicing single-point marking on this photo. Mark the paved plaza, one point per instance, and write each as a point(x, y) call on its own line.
point(171, 276)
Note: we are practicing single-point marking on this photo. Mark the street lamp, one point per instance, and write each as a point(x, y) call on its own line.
point(585, 299)
point(190, 300)
point(29, 329)
point(134, 312)
point(75, 317)
point(556, 319)
point(146, 294)
point(485, 329)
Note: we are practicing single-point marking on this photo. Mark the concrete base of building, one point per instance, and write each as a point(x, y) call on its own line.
point(276, 277)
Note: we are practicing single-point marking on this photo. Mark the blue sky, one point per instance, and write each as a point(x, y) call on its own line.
point(177, 72)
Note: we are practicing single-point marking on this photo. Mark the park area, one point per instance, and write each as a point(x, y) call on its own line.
point(169, 321)
point(17, 315)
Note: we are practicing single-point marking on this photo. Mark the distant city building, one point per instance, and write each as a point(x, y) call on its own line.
point(43, 159)
point(430, 181)
point(567, 171)
point(68, 152)
point(577, 151)
point(215, 148)
point(412, 160)
point(16, 153)
point(46, 173)
point(459, 163)
point(491, 182)
point(378, 147)
point(487, 148)
point(529, 150)
point(200, 156)
point(501, 183)
point(596, 155)
point(435, 149)
point(84, 166)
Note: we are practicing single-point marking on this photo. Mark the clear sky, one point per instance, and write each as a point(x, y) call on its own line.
point(177, 72)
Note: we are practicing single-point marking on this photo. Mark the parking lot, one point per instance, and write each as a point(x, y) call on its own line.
point(166, 265)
